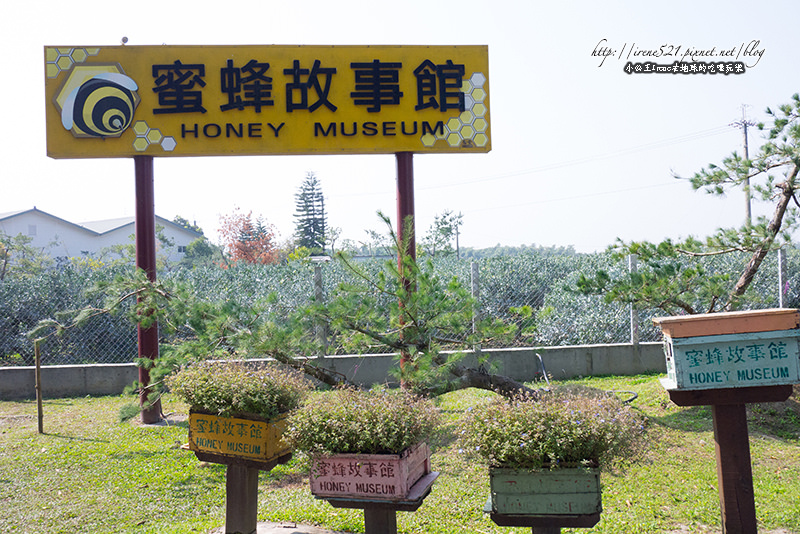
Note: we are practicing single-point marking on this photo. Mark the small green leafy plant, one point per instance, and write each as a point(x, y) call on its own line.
point(566, 427)
point(237, 388)
point(347, 420)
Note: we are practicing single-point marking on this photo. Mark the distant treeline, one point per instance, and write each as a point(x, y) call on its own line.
point(521, 250)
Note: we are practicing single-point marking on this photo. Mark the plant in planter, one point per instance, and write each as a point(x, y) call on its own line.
point(237, 410)
point(545, 453)
point(365, 444)
point(237, 417)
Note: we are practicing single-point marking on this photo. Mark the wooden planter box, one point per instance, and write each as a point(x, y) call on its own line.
point(246, 440)
point(715, 324)
point(731, 350)
point(373, 477)
point(565, 497)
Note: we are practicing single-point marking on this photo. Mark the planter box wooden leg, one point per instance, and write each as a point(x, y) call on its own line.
point(380, 521)
point(241, 507)
point(734, 471)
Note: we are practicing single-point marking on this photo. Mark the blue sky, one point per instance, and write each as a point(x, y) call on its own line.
point(582, 153)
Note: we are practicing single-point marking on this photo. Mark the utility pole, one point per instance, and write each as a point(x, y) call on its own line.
point(743, 124)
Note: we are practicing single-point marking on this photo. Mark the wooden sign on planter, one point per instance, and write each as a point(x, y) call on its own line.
point(564, 497)
point(247, 445)
point(384, 477)
point(380, 484)
point(732, 350)
point(750, 356)
point(225, 440)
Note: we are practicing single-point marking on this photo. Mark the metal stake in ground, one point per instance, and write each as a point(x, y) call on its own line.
point(39, 411)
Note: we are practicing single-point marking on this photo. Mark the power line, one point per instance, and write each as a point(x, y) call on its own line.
point(578, 161)
point(588, 159)
point(576, 197)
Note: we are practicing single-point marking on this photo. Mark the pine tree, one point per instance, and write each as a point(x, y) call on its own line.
point(671, 275)
point(311, 220)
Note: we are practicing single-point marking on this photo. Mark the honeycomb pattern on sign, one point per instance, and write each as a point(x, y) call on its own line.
point(468, 129)
point(58, 60)
point(146, 136)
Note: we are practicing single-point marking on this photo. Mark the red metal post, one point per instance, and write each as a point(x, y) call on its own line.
point(405, 222)
point(146, 259)
point(405, 200)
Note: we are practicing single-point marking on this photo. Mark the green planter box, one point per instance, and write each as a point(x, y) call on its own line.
point(567, 492)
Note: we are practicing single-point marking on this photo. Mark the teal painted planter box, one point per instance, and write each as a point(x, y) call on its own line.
point(733, 360)
point(744, 349)
point(567, 492)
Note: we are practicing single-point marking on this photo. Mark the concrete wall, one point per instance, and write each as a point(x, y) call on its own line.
point(520, 364)
point(67, 380)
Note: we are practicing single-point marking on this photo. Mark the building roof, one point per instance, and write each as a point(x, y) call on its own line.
point(98, 227)
point(107, 225)
point(12, 214)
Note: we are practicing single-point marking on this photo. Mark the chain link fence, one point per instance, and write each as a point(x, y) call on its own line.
point(535, 293)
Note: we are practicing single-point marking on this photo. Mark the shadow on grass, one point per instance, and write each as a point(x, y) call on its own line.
point(779, 420)
point(689, 419)
point(168, 423)
point(147, 454)
point(74, 438)
point(45, 402)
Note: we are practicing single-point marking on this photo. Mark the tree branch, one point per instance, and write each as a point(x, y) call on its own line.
point(479, 378)
point(787, 194)
point(711, 253)
point(326, 376)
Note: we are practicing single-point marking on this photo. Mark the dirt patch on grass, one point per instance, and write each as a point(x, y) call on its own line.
point(288, 481)
point(16, 420)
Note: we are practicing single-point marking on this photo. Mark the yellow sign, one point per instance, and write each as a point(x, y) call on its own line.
point(237, 438)
point(123, 101)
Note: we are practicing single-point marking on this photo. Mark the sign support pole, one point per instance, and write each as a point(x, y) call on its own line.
point(405, 200)
point(732, 444)
point(405, 214)
point(241, 496)
point(146, 260)
point(380, 521)
point(734, 471)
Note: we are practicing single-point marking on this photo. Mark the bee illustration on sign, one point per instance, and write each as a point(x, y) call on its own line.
point(97, 101)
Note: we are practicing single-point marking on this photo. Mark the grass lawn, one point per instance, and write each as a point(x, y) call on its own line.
point(91, 473)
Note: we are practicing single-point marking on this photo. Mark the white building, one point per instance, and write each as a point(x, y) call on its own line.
point(62, 239)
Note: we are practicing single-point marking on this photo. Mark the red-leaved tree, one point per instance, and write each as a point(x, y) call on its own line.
point(248, 240)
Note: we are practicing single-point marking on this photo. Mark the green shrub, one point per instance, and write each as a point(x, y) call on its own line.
point(237, 388)
point(379, 421)
point(565, 427)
